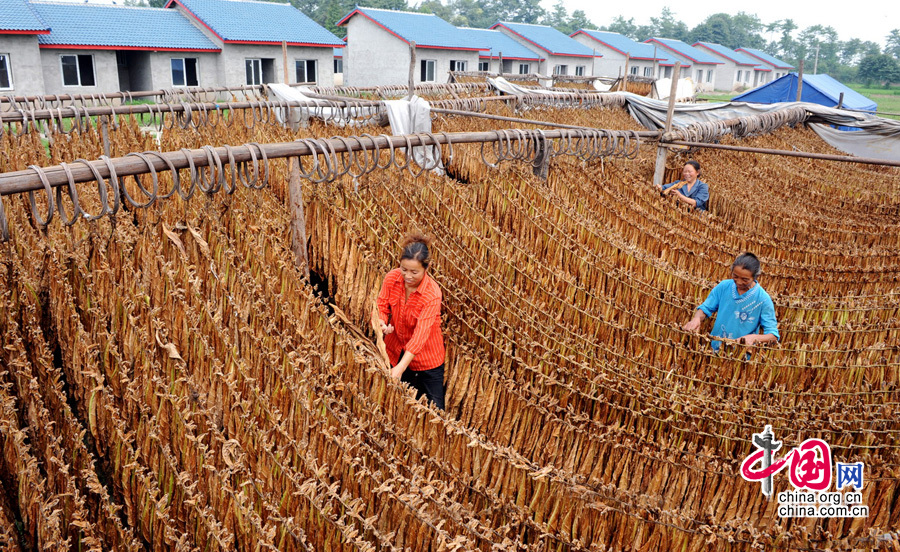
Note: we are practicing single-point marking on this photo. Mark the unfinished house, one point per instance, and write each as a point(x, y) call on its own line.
point(20, 56)
point(770, 67)
point(562, 55)
point(613, 49)
point(503, 54)
point(254, 36)
point(378, 47)
point(93, 48)
point(738, 70)
point(695, 63)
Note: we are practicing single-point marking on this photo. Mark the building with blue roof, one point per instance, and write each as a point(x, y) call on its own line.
point(778, 68)
point(250, 34)
point(516, 58)
point(379, 47)
point(98, 48)
point(695, 63)
point(738, 70)
point(20, 57)
point(562, 54)
point(643, 59)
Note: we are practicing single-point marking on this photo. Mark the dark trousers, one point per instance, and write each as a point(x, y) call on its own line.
point(427, 382)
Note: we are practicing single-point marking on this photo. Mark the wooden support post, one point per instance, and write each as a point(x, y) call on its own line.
point(800, 82)
point(624, 86)
point(104, 133)
point(284, 55)
point(662, 151)
point(840, 104)
point(412, 68)
point(541, 166)
point(500, 55)
point(298, 217)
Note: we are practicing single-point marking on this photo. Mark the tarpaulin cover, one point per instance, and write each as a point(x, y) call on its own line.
point(877, 137)
point(818, 89)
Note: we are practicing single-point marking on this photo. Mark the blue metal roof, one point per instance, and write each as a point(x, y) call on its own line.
point(771, 60)
point(679, 48)
point(623, 44)
point(425, 29)
point(498, 43)
point(820, 89)
point(246, 21)
point(17, 17)
point(739, 58)
point(106, 26)
point(548, 39)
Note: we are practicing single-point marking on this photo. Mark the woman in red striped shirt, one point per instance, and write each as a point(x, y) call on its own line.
point(409, 306)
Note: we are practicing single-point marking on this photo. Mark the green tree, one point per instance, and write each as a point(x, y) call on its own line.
point(716, 29)
point(880, 68)
point(666, 26)
point(624, 27)
point(893, 44)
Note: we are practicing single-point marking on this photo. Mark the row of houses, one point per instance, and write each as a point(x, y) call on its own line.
point(65, 48)
point(52, 48)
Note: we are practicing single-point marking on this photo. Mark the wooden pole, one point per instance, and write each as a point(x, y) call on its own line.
point(104, 134)
point(412, 68)
point(284, 55)
point(625, 78)
point(661, 151)
point(298, 217)
point(800, 82)
point(500, 55)
point(840, 104)
point(788, 153)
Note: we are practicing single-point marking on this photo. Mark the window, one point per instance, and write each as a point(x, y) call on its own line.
point(338, 66)
point(456, 65)
point(648, 71)
point(254, 71)
point(739, 75)
point(484, 66)
point(5, 73)
point(78, 70)
point(524, 68)
point(306, 70)
point(579, 70)
point(634, 70)
point(184, 72)
point(699, 75)
point(561, 70)
point(709, 75)
point(427, 73)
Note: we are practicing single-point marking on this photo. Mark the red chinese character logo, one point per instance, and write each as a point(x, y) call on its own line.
point(810, 463)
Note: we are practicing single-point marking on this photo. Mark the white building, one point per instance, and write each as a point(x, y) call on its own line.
point(561, 54)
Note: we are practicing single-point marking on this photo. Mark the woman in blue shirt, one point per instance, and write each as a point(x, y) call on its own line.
point(743, 307)
point(689, 190)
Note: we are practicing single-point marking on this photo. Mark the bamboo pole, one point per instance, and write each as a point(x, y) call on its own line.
point(787, 153)
point(642, 134)
point(412, 69)
point(298, 218)
point(284, 56)
point(662, 151)
point(27, 180)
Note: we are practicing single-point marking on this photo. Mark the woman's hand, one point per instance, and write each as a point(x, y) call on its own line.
point(693, 325)
point(387, 328)
point(397, 372)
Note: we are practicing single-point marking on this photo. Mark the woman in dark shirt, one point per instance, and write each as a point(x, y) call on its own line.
point(690, 190)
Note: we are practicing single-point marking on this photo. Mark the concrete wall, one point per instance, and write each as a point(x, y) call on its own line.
point(106, 73)
point(551, 62)
point(161, 68)
point(374, 57)
point(24, 64)
point(232, 63)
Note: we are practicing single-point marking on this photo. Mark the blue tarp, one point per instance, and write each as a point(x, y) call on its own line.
point(819, 89)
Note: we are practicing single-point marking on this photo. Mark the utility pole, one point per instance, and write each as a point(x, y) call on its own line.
point(816, 62)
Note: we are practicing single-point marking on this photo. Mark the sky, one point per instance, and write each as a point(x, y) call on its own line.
point(866, 19)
